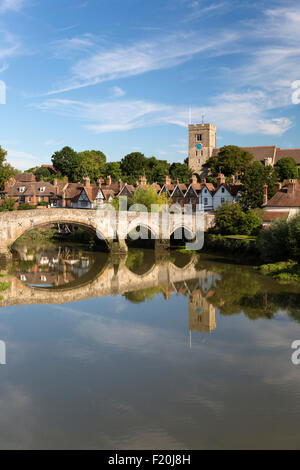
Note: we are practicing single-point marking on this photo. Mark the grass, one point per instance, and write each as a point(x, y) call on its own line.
point(283, 271)
point(4, 286)
point(241, 237)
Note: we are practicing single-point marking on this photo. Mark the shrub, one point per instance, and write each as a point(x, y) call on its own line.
point(25, 207)
point(230, 219)
point(43, 203)
point(7, 205)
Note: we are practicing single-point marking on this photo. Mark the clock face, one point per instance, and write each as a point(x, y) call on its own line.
point(199, 147)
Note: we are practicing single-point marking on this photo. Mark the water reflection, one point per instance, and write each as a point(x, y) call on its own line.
point(107, 364)
point(210, 285)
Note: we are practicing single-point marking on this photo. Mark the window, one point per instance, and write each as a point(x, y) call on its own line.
point(205, 201)
point(199, 137)
point(42, 189)
point(199, 161)
point(29, 198)
point(41, 198)
point(196, 153)
point(202, 153)
point(222, 200)
point(223, 190)
point(21, 199)
point(22, 189)
point(178, 200)
point(192, 200)
point(205, 191)
point(84, 203)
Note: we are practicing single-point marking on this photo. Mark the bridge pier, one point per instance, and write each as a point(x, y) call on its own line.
point(118, 247)
point(5, 257)
point(161, 245)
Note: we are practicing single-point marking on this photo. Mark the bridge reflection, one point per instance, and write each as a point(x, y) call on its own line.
point(56, 275)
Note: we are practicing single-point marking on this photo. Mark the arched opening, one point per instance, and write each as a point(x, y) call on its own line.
point(181, 236)
point(64, 232)
point(140, 262)
point(140, 236)
point(181, 260)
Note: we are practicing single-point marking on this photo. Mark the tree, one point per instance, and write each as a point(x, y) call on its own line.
point(133, 165)
point(113, 169)
point(148, 197)
point(7, 204)
point(230, 219)
point(180, 171)
point(286, 168)
point(231, 160)
point(92, 164)
point(254, 180)
point(156, 170)
point(43, 174)
point(67, 162)
point(6, 170)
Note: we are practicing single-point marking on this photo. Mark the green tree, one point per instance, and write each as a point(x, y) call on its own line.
point(6, 170)
point(113, 169)
point(180, 171)
point(67, 162)
point(254, 180)
point(156, 170)
point(286, 168)
point(231, 160)
point(7, 204)
point(230, 219)
point(147, 197)
point(92, 164)
point(133, 165)
point(43, 174)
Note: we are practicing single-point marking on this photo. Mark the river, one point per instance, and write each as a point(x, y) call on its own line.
point(179, 351)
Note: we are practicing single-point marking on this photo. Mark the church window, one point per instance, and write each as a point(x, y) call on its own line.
point(199, 137)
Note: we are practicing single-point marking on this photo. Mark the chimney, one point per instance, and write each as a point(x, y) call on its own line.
point(193, 179)
point(220, 179)
point(278, 187)
point(265, 194)
point(291, 186)
point(108, 180)
point(232, 179)
point(120, 184)
point(55, 182)
point(86, 182)
point(177, 181)
point(167, 180)
point(99, 182)
point(142, 181)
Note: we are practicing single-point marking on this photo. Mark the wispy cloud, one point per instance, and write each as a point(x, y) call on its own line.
point(245, 113)
point(117, 91)
point(9, 45)
point(104, 64)
point(6, 5)
point(21, 160)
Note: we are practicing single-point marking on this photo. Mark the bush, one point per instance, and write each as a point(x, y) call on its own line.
point(25, 207)
point(231, 245)
point(7, 205)
point(43, 203)
point(281, 241)
point(230, 219)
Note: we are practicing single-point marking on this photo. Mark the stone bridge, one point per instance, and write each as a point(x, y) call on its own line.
point(111, 226)
point(113, 279)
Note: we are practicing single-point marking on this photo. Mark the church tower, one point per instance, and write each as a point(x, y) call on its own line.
point(202, 142)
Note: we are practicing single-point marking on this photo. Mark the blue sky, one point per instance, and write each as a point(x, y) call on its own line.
point(121, 75)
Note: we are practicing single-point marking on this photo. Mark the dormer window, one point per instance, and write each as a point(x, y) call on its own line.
point(42, 189)
point(223, 190)
point(22, 189)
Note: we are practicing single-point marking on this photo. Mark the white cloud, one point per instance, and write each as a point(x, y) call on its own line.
point(21, 160)
point(9, 46)
point(6, 5)
point(117, 91)
point(104, 64)
point(246, 113)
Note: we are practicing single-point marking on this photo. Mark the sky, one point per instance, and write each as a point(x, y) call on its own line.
point(129, 75)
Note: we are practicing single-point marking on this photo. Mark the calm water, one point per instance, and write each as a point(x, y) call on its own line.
point(181, 352)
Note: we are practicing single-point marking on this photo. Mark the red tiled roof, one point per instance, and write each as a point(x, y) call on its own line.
point(286, 197)
point(271, 216)
point(259, 153)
